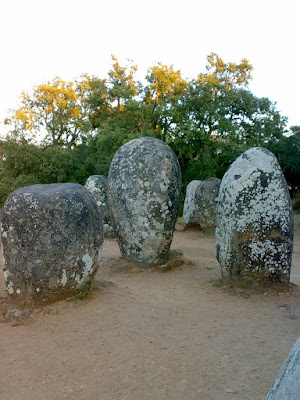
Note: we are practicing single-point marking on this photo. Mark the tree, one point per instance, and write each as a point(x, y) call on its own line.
point(224, 76)
point(121, 83)
point(55, 108)
point(287, 151)
point(97, 101)
point(162, 93)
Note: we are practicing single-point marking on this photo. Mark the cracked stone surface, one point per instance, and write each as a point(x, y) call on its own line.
point(97, 185)
point(144, 185)
point(254, 234)
point(52, 238)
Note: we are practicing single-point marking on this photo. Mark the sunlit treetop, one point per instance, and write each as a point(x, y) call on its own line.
point(222, 74)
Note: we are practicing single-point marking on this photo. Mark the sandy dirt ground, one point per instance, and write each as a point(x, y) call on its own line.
point(147, 334)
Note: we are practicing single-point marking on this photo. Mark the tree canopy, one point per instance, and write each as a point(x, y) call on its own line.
point(208, 121)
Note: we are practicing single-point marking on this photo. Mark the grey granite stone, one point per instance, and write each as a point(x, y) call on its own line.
point(190, 212)
point(52, 239)
point(254, 234)
point(200, 205)
point(144, 191)
point(97, 185)
point(287, 383)
point(207, 201)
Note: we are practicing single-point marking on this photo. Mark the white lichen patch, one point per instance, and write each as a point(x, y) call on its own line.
point(6, 274)
point(88, 268)
point(64, 278)
point(10, 288)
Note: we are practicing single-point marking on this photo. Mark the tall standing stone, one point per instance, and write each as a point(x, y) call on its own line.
point(254, 235)
point(207, 201)
point(190, 211)
point(97, 185)
point(52, 238)
point(144, 191)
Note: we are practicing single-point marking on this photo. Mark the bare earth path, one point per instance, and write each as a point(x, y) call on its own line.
point(153, 335)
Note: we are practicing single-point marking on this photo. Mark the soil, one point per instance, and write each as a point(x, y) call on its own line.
point(152, 334)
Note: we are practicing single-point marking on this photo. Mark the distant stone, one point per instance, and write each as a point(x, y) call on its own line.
point(254, 234)
point(207, 201)
point(200, 205)
point(52, 238)
point(190, 210)
point(97, 185)
point(144, 191)
point(287, 384)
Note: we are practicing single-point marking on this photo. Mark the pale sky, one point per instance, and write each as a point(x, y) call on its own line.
point(42, 39)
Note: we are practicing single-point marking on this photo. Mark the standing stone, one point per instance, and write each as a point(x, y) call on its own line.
point(207, 201)
point(190, 211)
point(287, 383)
point(97, 185)
point(200, 205)
point(254, 235)
point(52, 238)
point(144, 191)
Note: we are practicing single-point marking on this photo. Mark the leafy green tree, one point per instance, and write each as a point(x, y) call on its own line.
point(287, 151)
point(164, 88)
point(208, 121)
point(224, 76)
point(55, 108)
point(97, 101)
point(122, 84)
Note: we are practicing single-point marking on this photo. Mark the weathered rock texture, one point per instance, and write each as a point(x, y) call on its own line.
point(97, 185)
point(287, 384)
point(190, 211)
point(144, 190)
point(207, 201)
point(254, 234)
point(200, 205)
point(52, 238)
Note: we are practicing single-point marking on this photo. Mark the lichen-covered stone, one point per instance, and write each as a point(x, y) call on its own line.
point(97, 185)
point(144, 190)
point(287, 384)
point(52, 238)
point(190, 211)
point(207, 201)
point(254, 234)
point(200, 205)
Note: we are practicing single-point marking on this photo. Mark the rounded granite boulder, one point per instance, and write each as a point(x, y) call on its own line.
point(52, 239)
point(254, 234)
point(97, 185)
point(144, 191)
